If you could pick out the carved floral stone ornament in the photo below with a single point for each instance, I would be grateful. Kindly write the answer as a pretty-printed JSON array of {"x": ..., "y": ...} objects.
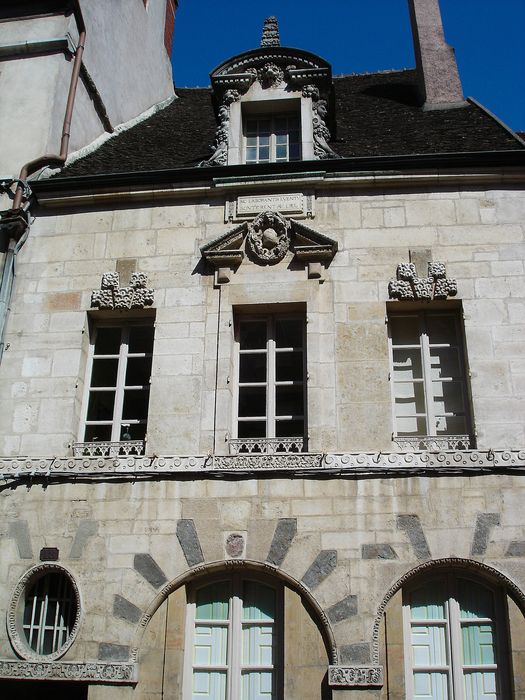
[
  {"x": 270, "y": 75},
  {"x": 269, "y": 237},
  {"x": 409, "y": 287},
  {"x": 355, "y": 676},
  {"x": 111, "y": 296}
]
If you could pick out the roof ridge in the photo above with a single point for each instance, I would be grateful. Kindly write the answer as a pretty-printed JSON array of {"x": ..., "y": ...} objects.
[{"x": 377, "y": 72}]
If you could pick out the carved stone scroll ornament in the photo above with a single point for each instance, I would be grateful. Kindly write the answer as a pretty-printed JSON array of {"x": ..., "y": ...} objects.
[
  {"x": 321, "y": 132},
  {"x": 112, "y": 296},
  {"x": 409, "y": 287},
  {"x": 69, "y": 671},
  {"x": 269, "y": 237},
  {"x": 355, "y": 676},
  {"x": 220, "y": 145}
]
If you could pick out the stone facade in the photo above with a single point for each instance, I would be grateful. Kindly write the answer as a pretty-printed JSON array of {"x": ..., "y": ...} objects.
[{"x": 342, "y": 527}]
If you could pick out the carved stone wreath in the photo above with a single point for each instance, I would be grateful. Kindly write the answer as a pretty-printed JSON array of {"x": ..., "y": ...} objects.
[
  {"x": 14, "y": 614},
  {"x": 269, "y": 237}
]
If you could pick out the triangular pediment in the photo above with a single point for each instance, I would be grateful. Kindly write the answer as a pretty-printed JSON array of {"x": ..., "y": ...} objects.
[{"x": 267, "y": 239}]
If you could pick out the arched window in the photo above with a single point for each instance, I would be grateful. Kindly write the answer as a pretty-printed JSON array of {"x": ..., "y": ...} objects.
[
  {"x": 455, "y": 640},
  {"x": 234, "y": 640}
]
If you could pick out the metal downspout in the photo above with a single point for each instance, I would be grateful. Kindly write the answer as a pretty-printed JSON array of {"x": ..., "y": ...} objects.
[{"x": 17, "y": 212}]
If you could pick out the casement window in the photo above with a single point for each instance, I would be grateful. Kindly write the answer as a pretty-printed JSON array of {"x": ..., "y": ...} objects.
[
  {"x": 272, "y": 139},
  {"x": 233, "y": 634},
  {"x": 454, "y": 641},
  {"x": 428, "y": 376},
  {"x": 271, "y": 387},
  {"x": 117, "y": 391}
]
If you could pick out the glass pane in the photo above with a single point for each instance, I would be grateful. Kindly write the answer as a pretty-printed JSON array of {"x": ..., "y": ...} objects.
[
  {"x": 294, "y": 151},
  {"x": 478, "y": 645},
  {"x": 135, "y": 404},
  {"x": 451, "y": 425},
  {"x": 411, "y": 425},
  {"x": 257, "y": 685},
  {"x": 138, "y": 371},
  {"x": 480, "y": 685},
  {"x": 448, "y": 397},
  {"x": 141, "y": 338},
  {"x": 281, "y": 153},
  {"x": 428, "y": 602},
  {"x": 251, "y": 154},
  {"x": 252, "y": 368},
  {"x": 289, "y": 333},
  {"x": 407, "y": 364},
  {"x": 441, "y": 329},
  {"x": 289, "y": 428},
  {"x": 409, "y": 398},
  {"x": 429, "y": 646},
  {"x": 264, "y": 153},
  {"x": 252, "y": 335},
  {"x": 97, "y": 432},
  {"x": 264, "y": 126},
  {"x": 445, "y": 363},
  {"x": 251, "y": 429},
  {"x": 281, "y": 139},
  {"x": 258, "y": 602},
  {"x": 135, "y": 431},
  {"x": 251, "y": 141},
  {"x": 289, "y": 401},
  {"x": 475, "y": 601},
  {"x": 289, "y": 366},
  {"x": 252, "y": 401},
  {"x": 281, "y": 124},
  {"x": 213, "y": 602},
  {"x": 100, "y": 406},
  {"x": 210, "y": 646},
  {"x": 104, "y": 372},
  {"x": 108, "y": 341},
  {"x": 251, "y": 126},
  {"x": 264, "y": 141},
  {"x": 431, "y": 686},
  {"x": 405, "y": 330},
  {"x": 209, "y": 685},
  {"x": 257, "y": 645}
]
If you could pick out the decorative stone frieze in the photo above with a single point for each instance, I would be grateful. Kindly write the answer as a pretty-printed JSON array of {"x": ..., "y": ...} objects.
[
  {"x": 111, "y": 296},
  {"x": 68, "y": 671},
  {"x": 355, "y": 676},
  {"x": 434, "y": 442},
  {"x": 108, "y": 449},
  {"x": 359, "y": 463},
  {"x": 409, "y": 287}
]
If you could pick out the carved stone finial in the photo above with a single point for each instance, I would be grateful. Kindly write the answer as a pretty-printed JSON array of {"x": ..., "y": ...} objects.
[
  {"x": 270, "y": 33},
  {"x": 112, "y": 296},
  {"x": 409, "y": 287}
]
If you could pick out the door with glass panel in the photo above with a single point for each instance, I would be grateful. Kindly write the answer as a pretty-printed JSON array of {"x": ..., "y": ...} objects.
[
  {"x": 233, "y": 635},
  {"x": 453, "y": 646}
]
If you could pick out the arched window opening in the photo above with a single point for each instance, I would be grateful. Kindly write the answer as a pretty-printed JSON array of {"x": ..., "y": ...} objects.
[{"x": 455, "y": 640}]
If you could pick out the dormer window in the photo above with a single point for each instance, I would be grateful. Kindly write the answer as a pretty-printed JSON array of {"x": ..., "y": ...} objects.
[{"x": 272, "y": 139}]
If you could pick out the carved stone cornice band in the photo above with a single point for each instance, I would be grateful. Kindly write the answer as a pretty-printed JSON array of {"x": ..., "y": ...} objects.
[
  {"x": 389, "y": 464},
  {"x": 355, "y": 676},
  {"x": 95, "y": 671}
]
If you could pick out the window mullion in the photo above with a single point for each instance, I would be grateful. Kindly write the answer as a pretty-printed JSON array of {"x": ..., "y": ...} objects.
[
  {"x": 271, "y": 388},
  {"x": 427, "y": 377},
  {"x": 121, "y": 379}
]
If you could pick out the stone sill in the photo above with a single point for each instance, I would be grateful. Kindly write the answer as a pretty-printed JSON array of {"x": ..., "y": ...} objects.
[{"x": 308, "y": 464}]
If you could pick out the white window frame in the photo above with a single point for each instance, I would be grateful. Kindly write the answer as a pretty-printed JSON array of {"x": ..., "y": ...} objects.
[
  {"x": 117, "y": 422},
  {"x": 234, "y": 666},
  {"x": 453, "y": 625},
  {"x": 270, "y": 418},
  {"x": 272, "y": 118},
  {"x": 426, "y": 381}
]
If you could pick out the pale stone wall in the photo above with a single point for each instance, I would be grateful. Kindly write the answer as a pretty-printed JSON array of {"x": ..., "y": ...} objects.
[{"x": 478, "y": 234}]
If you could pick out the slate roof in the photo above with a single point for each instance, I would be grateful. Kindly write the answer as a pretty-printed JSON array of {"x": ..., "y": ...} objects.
[{"x": 375, "y": 115}]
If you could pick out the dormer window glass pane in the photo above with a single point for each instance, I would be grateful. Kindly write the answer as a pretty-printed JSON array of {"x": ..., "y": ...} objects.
[{"x": 271, "y": 140}]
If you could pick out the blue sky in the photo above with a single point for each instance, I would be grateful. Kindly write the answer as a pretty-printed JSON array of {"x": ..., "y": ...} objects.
[{"x": 358, "y": 36}]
